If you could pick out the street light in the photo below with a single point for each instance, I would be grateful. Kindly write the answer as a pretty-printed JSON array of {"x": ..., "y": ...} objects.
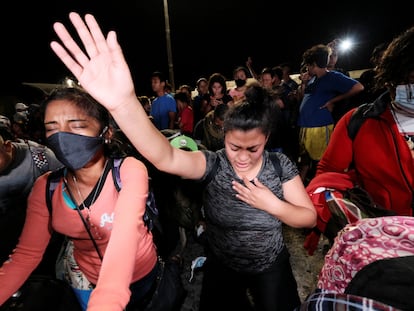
[{"x": 169, "y": 51}]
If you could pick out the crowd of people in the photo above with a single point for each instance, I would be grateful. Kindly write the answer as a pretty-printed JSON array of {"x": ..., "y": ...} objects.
[{"x": 239, "y": 129}]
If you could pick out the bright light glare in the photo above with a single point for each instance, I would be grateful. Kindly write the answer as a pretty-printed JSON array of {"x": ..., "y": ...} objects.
[{"x": 345, "y": 45}]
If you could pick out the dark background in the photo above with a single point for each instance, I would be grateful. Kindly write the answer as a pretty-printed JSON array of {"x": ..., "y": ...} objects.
[{"x": 206, "y": 36}]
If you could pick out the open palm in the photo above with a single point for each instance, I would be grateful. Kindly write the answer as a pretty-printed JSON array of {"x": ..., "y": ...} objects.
[{"x": 100, "y": 68}]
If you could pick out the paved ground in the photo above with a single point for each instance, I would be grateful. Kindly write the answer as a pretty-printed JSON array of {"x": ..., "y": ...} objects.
[{"x": 305, "y": 267}]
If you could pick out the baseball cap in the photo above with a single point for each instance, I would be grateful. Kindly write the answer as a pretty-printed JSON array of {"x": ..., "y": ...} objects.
[
  {"x": 5, "y": 122},
  {"x": 20, "y": 107},
  {"x": 20, "y": 117},
  {"x": 184, "y": 142}
]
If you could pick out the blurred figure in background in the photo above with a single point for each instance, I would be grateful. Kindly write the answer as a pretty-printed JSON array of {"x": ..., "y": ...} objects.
[
  {"x": 202, "y": 89},
  {"x": 382, "y": 152},
  {"x": 164, "y": 107},
  {"x": 185, "y": 121},
  {"x": 209, "y": 130},
  {"x": 322, "y": 90}
]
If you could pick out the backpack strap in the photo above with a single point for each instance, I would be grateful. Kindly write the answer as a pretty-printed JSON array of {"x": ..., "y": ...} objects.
[
  {"x": 51, "y": 184},
  {"x": 368, "y": 110},
  {"x": 116, "y": 172},
  {"x": 276, "y": 163},
  {"x": 151, "y": 211}
]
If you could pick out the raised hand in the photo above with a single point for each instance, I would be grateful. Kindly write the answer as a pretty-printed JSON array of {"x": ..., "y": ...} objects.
[{"x": 100, "y": 67}]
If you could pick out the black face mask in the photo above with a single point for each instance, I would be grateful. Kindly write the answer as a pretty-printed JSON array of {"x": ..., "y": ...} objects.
[
  {"x": 240, "y": 82},
  {"x": 74, "y": 150}
]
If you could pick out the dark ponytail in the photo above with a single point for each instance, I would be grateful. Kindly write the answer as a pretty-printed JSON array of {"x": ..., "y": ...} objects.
[{"x": 258, "y": 110}]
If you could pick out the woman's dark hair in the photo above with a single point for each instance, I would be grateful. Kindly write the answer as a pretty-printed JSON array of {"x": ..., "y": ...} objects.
[
  {"x": 397, "y": 61},
  {"x": 219, "y": 78},
  {"x": 241, "y": 68},
  {"x": 258, "y": 110},
  {"x": 317, "y": 54},
  {"x": 81, "y": 99}
]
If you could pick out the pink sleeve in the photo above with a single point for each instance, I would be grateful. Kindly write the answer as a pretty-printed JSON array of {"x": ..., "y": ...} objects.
[
  {"x": 32, "y": 243},
  {"x": 130, "y": 253}
]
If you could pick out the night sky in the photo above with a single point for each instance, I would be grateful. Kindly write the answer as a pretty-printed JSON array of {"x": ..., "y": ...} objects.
[{"x": 206, "y": 36}]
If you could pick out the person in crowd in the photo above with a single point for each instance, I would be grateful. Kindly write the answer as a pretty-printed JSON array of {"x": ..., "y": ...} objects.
[
  {"x": 120, "y": 271},
  {"x": 169, "y": 88},
  {"x": 185, "y": 113},
  {"x": 321, "y": 89},
  {"x": 334, "y": 45},
  {"x": 5, "y": 128},
  {"x": 209, "y": 131},
  {"x": 21, "y": 107},
  {"x": 35, "y": 126},
  {"x": 249, "y": 66},
  {"x": 287, "y": 80},
  {"x": 340, "y": 107},
  {"x": 19, "y": 125},
  {"x": 163, "y": 107},
  {"x": 381, "y": 154},
  {"x": 217, "y": 93},
  {"x": 244, "y": 204},
  {"x": 187, "y": 89},
  {"x": 267, "y": 81},
  {"x": 240, "y": 75},
  {"x": 367, "y": 78},
  {"x": 146, "y": 104},
  {"x": 202, "y": 89},
  {"x": 290, "y": 111},
  {"x": 21, "y": 163}
]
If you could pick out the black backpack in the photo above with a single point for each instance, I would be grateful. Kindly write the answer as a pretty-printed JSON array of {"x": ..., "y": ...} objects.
[
  {"x": 387, "y": 280},
  {"x": 365, "y": 111}
]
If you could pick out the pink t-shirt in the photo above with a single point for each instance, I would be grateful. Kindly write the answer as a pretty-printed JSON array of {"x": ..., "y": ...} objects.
[{"x": 118, "y": 228}]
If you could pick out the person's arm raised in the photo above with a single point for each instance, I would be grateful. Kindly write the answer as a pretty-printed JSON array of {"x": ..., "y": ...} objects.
[{"x": 102, "y": 71}]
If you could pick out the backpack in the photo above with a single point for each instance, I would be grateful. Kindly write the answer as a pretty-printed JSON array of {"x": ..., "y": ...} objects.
[
  {"x": 338, "y": 201},
  {"x": 151, "y": 211},
  {"x": 373, "y": 258},
  {"x": 365, "y": 111}
]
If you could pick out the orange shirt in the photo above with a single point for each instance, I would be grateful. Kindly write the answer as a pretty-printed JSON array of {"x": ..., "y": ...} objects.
[{"x": 118, "y": 228}]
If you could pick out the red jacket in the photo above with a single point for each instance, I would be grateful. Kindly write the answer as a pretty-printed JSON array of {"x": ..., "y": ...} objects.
[{"x": 381, "y": 157}]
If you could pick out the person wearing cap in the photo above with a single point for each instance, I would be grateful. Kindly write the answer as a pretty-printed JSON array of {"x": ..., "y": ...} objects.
[
  {"x": 245, "y": 200},
  {"x": 21, "y": 107},
  {"x": 184, "y": 142},
  {"x": 20, "y": 125},
  {"x": 5, "y": 128}
]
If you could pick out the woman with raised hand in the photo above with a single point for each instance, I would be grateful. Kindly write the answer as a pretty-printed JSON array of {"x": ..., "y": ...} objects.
[
  {"x": 110, "y": 252},
  {"x": 245, "y": 202}
]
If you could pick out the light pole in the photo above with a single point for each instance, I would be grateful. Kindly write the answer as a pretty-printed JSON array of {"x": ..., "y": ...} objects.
[{"x": 168, "y": 39}]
